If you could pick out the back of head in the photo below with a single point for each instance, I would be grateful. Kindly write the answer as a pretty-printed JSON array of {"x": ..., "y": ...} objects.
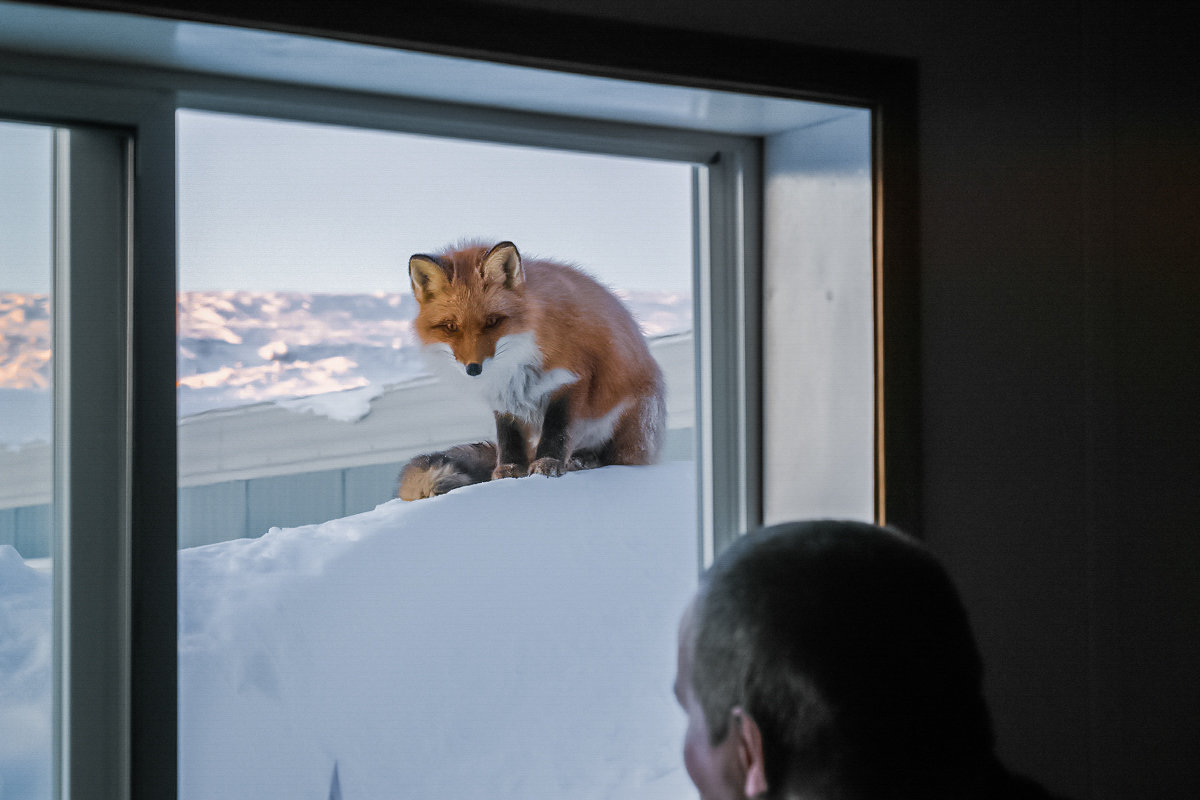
[{"x": 849, "y": 646}]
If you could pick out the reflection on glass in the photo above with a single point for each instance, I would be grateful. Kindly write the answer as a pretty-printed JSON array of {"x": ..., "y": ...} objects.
[
  {"x": 26, "y": 410},
  {"x": 415, "y": 649}
]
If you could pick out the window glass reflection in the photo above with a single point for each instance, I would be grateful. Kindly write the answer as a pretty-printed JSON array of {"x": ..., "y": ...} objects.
[{"x": 26, "y": 411}]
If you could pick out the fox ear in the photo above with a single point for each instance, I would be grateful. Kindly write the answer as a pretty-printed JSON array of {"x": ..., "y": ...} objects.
[
  {"x": 427, "y": 276},
  {"x": 502, "y": 265}
]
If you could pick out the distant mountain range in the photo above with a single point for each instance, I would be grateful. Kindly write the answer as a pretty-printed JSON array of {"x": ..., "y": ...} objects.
[
  {"x": 237, "y": 348},
  {"x": 24, "y": 341}
]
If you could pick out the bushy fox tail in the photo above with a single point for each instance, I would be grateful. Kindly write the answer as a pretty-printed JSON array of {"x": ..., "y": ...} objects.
[{"x": 437, "y": 473}]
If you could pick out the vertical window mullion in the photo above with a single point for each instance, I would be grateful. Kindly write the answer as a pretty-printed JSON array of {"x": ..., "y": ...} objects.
[
  {"x": 153, "y": 465},
  {"x": 91, "y": 497},
  {"x": 728, "y": 314}
]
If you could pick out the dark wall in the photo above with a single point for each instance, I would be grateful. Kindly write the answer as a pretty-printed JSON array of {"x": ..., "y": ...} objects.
[
  {"x": 1060, "y": 216},
  {"x": 1060, "y": 352},
  {"x": 1060, "y": 349}
]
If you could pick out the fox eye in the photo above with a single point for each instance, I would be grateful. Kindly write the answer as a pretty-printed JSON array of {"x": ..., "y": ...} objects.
[
  {"x": 493, "y": 321},
  {"x": 449, "y": 325}
]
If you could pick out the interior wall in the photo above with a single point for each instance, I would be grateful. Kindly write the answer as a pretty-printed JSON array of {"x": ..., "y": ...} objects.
[
  {"x": 1060, "y": 354},
  {"x": 1060, "y": 313}
]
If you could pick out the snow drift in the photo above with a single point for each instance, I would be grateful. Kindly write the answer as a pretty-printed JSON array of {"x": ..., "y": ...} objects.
[{"x": 513, "y": 639}]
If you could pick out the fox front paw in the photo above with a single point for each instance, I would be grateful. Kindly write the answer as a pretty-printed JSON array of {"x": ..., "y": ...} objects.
[
  {"x": 583, "y": 459},
  {"x": 509, "y": 471},
  {"x": 548, "y": 466}
]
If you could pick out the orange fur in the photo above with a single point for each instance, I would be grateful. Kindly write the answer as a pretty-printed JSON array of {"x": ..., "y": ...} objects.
[{"x": 473, "y": 298}]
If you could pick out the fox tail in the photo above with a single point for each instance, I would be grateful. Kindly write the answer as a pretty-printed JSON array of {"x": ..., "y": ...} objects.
[{"x": 432, "y": 474}]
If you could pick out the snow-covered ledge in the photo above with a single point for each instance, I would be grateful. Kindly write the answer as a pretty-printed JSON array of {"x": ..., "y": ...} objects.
[{"x": 513, "y": 639}]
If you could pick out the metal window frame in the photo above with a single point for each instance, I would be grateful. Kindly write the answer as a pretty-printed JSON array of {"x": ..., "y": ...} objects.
[
  {"x": 114, "y": 490},
  {"x": 727, "y": 188},
  {"x": 91, "y": 195},
  {"x": 116, "y": 594}
]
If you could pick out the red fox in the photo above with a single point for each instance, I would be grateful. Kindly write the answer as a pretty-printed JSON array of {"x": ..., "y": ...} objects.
[{"x": 557, "y": 356}]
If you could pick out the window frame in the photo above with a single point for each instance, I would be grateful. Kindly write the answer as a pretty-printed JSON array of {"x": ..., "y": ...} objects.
[
  {"x": 143, "y": 101},
  {"x": 728, "y": 184},
  {"x": 92, "y": 174}
]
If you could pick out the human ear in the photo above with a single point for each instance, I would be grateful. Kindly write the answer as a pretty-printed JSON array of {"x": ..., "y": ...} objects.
[{"x": 750, "y": 753}]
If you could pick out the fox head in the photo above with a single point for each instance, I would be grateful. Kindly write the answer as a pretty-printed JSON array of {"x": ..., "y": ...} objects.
[{"x": 469, "y": 298}]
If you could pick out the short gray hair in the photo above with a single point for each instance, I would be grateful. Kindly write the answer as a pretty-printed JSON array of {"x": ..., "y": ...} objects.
[{"x": 849, "y": 646}]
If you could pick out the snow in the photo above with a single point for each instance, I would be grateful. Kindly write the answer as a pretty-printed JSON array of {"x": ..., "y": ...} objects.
[
  {"x": 347, "y": 405},
  {"x": 237, "y": 348},
  {"x": 513, "y": 639},
  {"x": 25, "y": 733}
]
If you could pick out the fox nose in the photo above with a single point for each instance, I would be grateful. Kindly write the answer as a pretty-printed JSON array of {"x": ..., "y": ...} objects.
[{"x": 474, "y": 369}]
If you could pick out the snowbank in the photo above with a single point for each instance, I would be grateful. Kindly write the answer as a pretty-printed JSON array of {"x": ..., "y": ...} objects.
[
  {"x": 509, "y": 640},
  {"x": 25, "y": 734}
]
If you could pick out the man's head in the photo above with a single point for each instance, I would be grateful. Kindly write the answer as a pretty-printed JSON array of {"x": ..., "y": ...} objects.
[{"x": 829, "y": 659}]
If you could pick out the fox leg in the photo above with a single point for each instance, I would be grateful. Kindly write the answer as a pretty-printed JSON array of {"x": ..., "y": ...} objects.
[
  {"x": 512, "y": 455},
  {"x": 553, "y": 445},
  {"x": 638, "y": 434}
]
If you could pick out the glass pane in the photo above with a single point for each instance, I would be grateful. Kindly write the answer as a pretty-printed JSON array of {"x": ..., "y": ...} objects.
[
  {"x": 26, "y": 412},
  {"x": 509, "y": 639}
]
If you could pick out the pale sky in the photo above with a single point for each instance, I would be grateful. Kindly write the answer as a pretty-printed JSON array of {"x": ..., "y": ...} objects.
[
  {"x": 25, "y": 239},
  {"x": 278, "y": 205}
]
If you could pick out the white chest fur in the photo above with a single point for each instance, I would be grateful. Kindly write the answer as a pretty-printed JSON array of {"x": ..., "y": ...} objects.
[{"x": 512, "y": 380}]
